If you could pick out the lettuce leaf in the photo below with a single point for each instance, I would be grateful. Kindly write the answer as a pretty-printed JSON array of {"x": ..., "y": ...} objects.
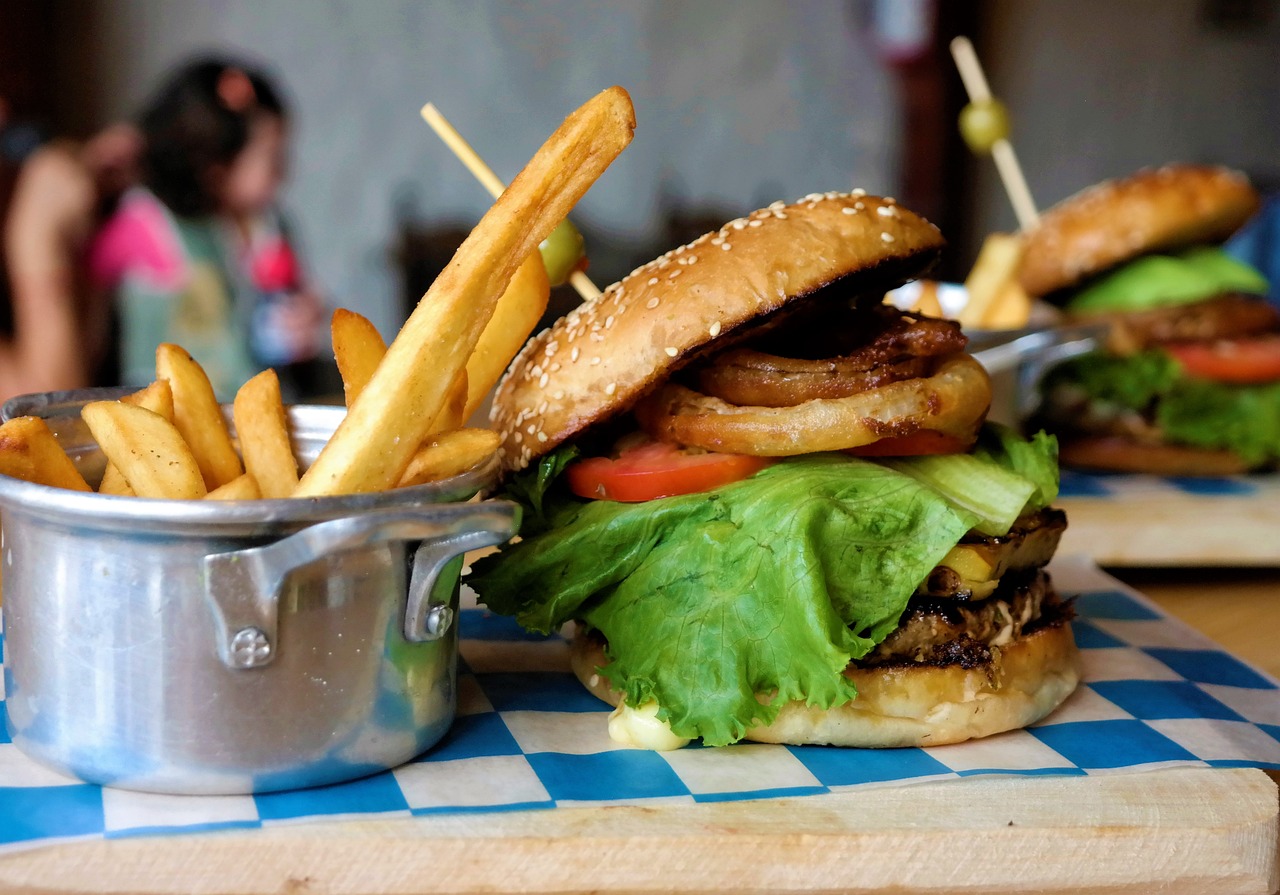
[
  {"x": 1197, "y": 412},
  {"x": 769, "y": 585}
]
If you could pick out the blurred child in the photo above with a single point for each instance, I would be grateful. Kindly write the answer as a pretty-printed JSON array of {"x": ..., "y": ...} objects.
[{"x": 198, "y": 254}]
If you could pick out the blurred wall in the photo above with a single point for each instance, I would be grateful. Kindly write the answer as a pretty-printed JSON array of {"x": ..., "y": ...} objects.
[
  {"x": 1100, "y": 88},
  {"x": 739, "y": 102}
]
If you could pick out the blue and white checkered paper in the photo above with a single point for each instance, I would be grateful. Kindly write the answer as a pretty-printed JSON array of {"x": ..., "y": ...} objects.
[
  {"x": 1123, "y": 487},
  {"x": 528, "y": 736}
]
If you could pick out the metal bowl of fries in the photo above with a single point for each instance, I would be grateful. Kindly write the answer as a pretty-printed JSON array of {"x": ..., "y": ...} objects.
[{"x": 231, "y": 646}]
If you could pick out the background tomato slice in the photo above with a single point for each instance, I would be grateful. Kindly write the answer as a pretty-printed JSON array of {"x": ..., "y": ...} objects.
[
  {"x": 1252, "y": 360},
  {"x": 658, "y": 470},
  {"x": 926, "y": 441}
]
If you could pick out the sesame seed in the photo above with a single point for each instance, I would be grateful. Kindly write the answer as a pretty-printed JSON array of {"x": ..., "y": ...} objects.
[
  {"x": 858, "y": 192},
  {"x": 738, "y": 224},
  {"x": 726, "y": 246},
  {"x": 848, "y": 210},
  {"x": 611, "y": 388},
  {"x": 887, "y": 211},
  {"x": 518, "y": 437},
  {"x": 674, "y": 273},
  {"x": 755, "y": 223},
  {"x": 555, "y": 367},
  {"x": 671, "y": 352},
  {"x": 653, "y": 302},
  {"x": 558, "y": 394},
  {"x": 653, "y": 281},
  {"x": 542, "y": 381},
  {"x": 573, "y": 355},
  {"x": 886, "y": 237},
  {"x": 595, "y": 360},
  {"x": 715, "y": 329},
  {"x": 533, "y": 427},
  {"x": 608, "y": 321},
  {"x": 542, "y": 436}
]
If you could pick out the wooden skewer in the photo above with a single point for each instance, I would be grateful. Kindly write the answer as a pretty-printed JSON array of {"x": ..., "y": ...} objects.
[
  {"x": 490, "y": 181},
  {"x": 1015, "y": 184}
]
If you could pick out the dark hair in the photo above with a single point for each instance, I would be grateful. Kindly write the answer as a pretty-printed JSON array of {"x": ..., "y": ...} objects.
[{"x": 198, "y": 120}]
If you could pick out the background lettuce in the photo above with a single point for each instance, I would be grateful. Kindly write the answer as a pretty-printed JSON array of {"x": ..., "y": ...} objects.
[{"x": 1197, "y": 412}]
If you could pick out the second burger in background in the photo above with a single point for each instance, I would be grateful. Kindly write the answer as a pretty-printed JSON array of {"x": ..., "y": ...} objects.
[
  {"x": 770, "y": 502},
  {"x": 1188, "y": 382}
]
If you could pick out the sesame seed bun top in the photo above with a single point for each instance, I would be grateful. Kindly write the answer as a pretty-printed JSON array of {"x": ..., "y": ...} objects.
[
  {"x": 602, "y": 357},
  {"x": 1154, "y": 210}
]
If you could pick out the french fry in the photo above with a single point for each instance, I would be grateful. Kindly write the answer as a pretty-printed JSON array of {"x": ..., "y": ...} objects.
[
  {"x": 242, "y": 488},
  {"x": 372, "y": 447},
  {"x": 1011, "y": 308},
  {"x": 197, "y": 415},
  {"x": 449, "y": 454},
  {"x": 31, "y": 452},
  {"x": 147, "y": 448},
  {"x": 997, "y": 265},
  {"x": 357, "y": 348},
  {"x": 454, "y": 413},
  {"x": 517, "y": 313},
  {"x": 156, "y": 397},
  {"x": 263, "y": 431}
]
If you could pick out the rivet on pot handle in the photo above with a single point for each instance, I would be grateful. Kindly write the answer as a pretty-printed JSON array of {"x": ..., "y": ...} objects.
[{"x": 243, "y": 585}]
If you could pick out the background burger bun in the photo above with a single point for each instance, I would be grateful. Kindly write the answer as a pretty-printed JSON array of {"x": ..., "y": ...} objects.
[
  {"x": 1154, "y": 210},
  {"x": 909, "y": 705},
  {"x": 1111, "y": 453},
  {"x": 599, "y": 359}
]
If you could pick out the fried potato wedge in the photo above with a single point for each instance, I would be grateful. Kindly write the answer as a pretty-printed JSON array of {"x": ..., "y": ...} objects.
[
  {"x": 514, "y": 319},
  {"x": 156, "y": 397},
  {"x": 372, "y": 447},
  {"x": 357, "y": 349},
  {"x": 263, "y": 431},
  {"x": 197, "y": 415},
  {"x": 148, "y": 450},
  {"x": 30, "y": 451},
  {"x": 454, "y": 413},
  {"x": 242, "y": 488},
  {"x": 449, "y": 454},
  {"x": 996, "y": 266}
]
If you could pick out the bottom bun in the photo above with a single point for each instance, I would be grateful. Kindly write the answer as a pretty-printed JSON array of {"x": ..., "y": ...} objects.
[
  {"x": 1112, "y": 453},
  {"x": 909, "y": 705}
]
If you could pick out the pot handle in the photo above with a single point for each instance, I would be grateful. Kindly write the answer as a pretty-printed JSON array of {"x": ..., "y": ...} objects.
[{"x": 242, "y": 586}]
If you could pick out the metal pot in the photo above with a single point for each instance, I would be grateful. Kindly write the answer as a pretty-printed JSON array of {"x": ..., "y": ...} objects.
[{"x": 231, "y": 647}]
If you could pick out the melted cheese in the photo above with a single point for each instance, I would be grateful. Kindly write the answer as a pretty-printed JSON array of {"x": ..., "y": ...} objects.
[{"x": 641, "y": 728}]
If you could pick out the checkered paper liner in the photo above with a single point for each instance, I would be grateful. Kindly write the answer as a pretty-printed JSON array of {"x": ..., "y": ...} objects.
[
  {"x": 528, "y": 736},
  {"x": 1124, "y": 487}
]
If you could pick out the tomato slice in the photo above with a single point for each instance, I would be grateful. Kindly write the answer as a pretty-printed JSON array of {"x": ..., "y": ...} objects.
[
  {"x": 926, "y": 441},
  {"x": 658, "y": 470},
  {"x": 1248, "y": 360}
]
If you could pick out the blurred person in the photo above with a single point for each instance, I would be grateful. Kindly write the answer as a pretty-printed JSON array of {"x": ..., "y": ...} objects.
[
  {"x": 198, "y": 254},
  {"x": 57, "y": 334}
]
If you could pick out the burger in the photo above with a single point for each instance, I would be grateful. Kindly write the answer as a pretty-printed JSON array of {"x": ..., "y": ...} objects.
[
  {"x": 769, "y": 504},
  {"x": 1188, "y": 380}
]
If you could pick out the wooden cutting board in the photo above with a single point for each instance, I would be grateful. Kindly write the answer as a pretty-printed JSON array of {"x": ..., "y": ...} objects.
[
  {"x": 1191, "y": 831},
  {"x": 1165, "y": 527}
]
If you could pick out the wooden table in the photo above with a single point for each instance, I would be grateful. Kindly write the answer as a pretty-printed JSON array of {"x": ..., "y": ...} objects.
[
  {"x": 1186, "y": 831},
  {"x": 1237, "y": 608}
]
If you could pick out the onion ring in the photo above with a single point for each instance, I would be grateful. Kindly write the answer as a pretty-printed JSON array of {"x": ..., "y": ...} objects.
[
  {"x": 954, "y": 400},
  {"x": 748, "y": 377}
]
